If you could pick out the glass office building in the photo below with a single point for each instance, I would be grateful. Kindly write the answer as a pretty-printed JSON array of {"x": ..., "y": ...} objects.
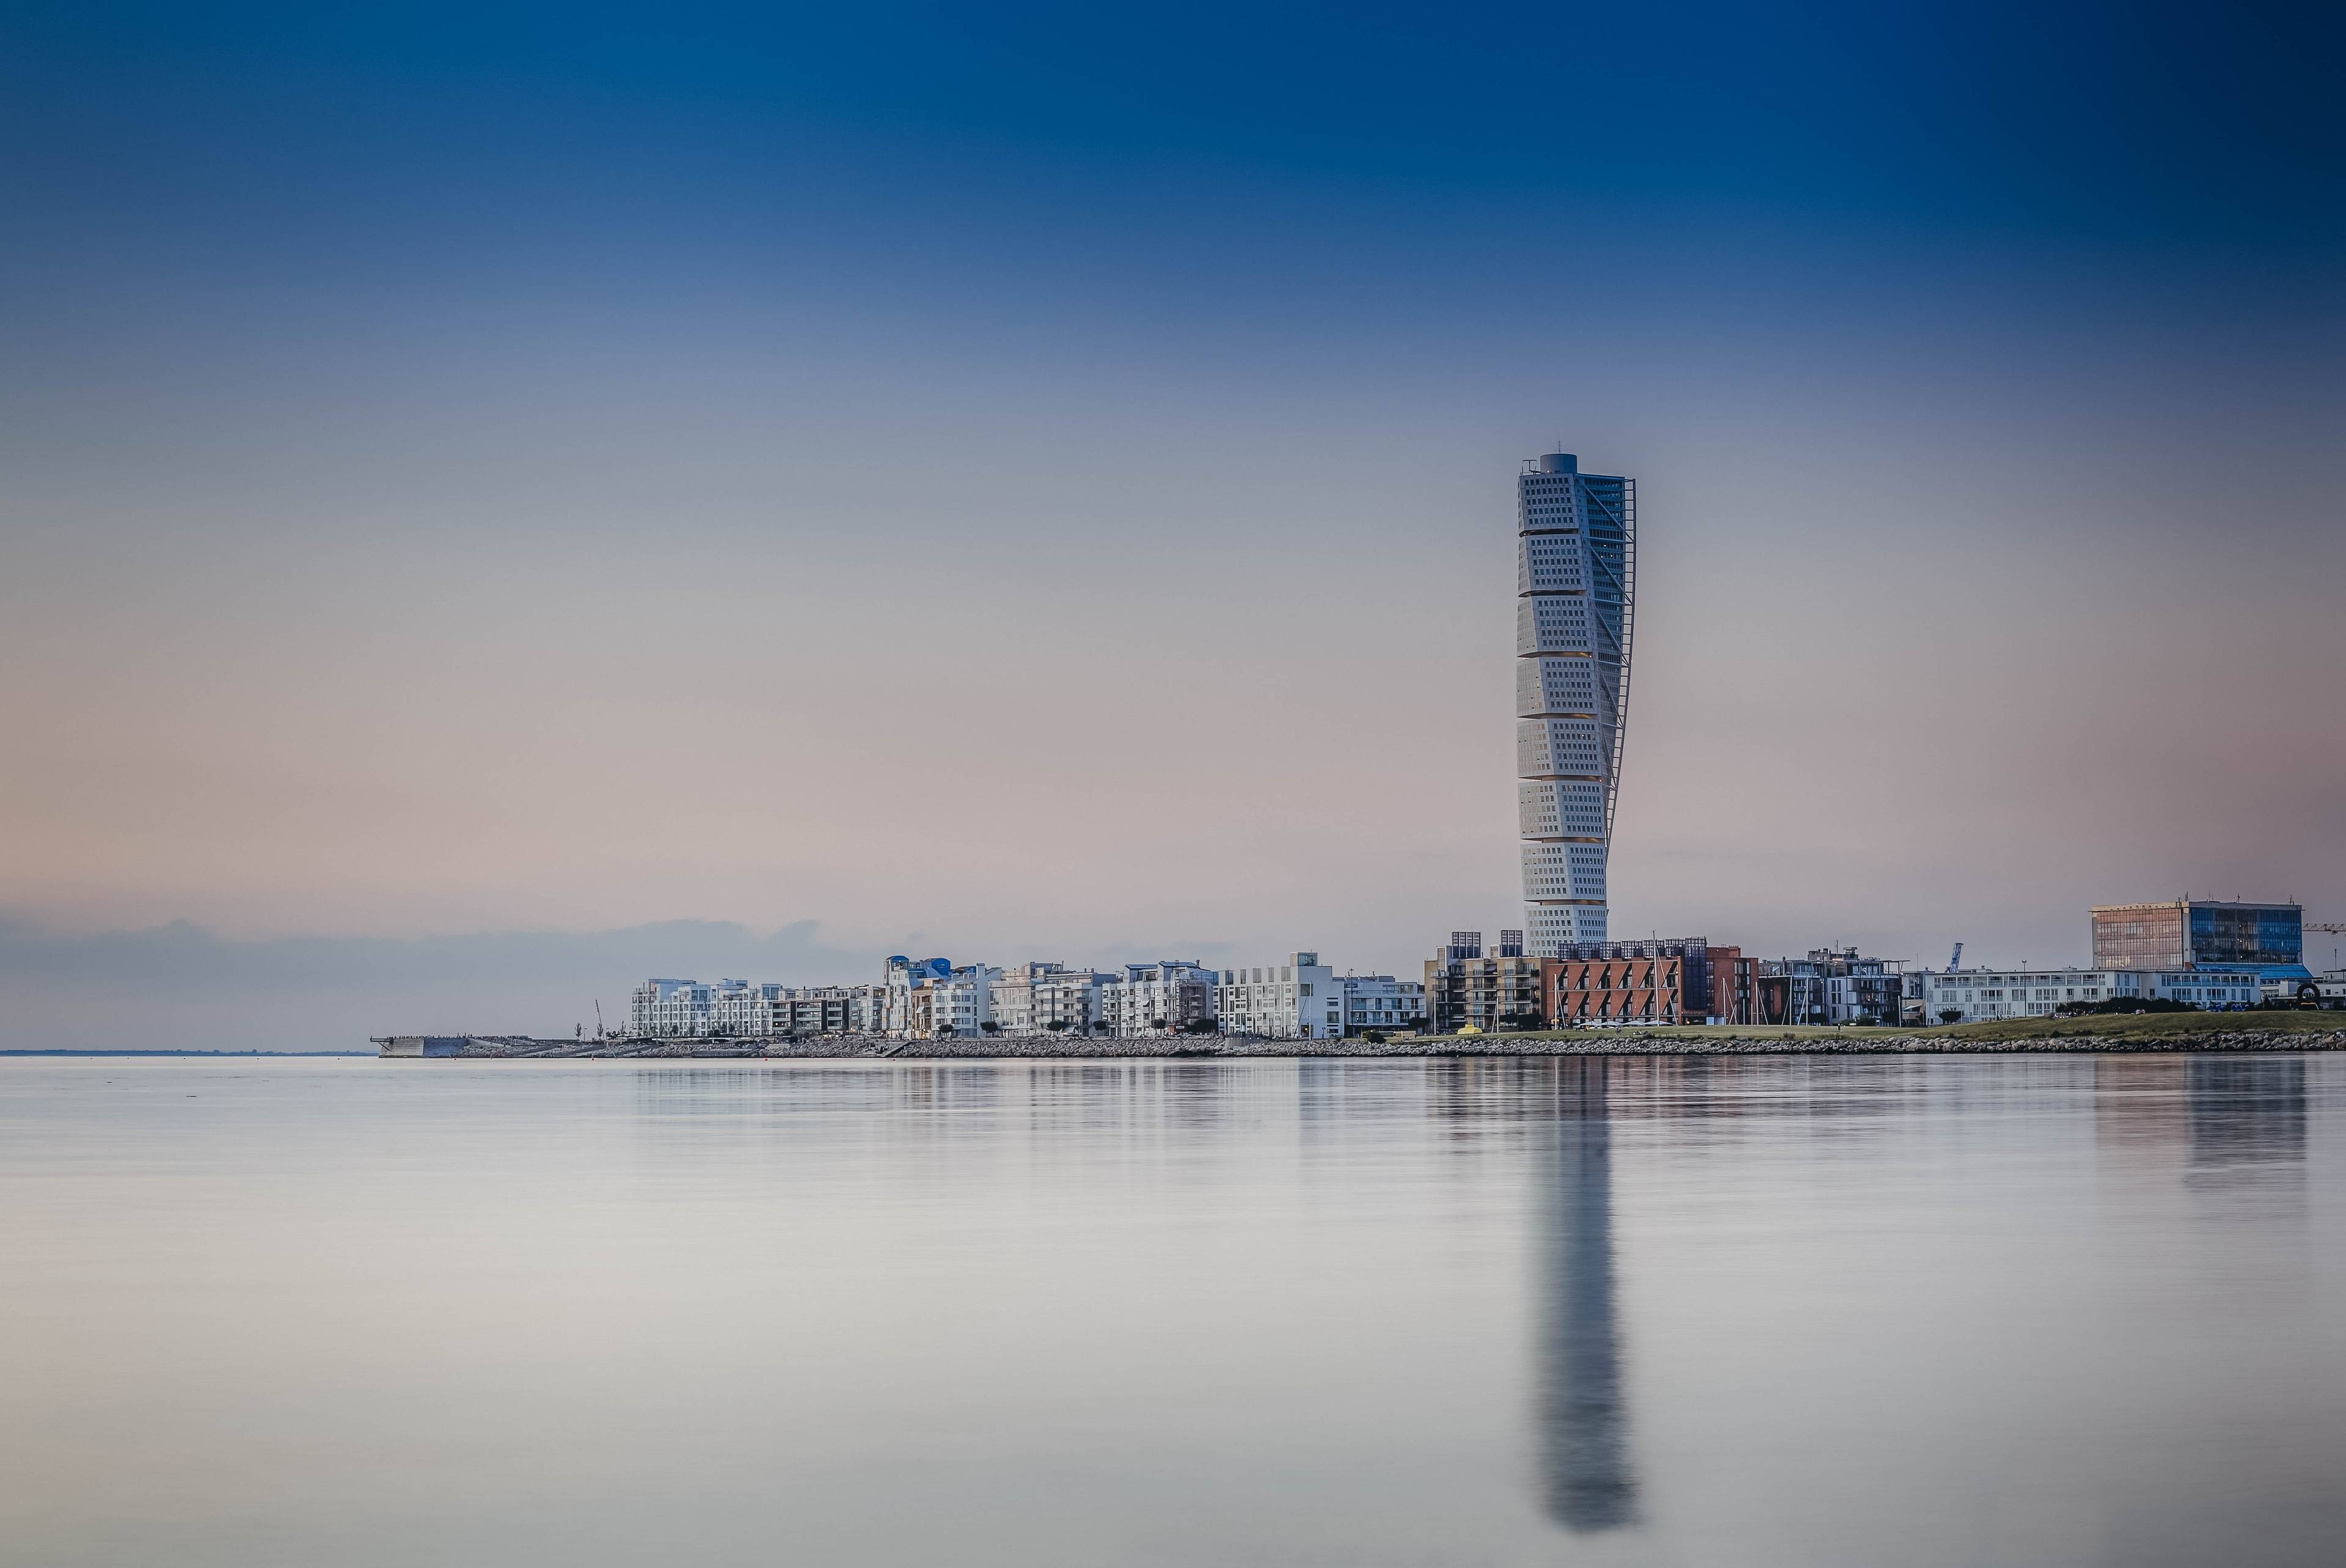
[
  {"x": 2199, "y": 933},
  {"x": 1576, "y": 582}
]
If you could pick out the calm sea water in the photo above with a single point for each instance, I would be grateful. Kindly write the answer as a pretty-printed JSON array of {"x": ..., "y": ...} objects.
[{"x": 1760, "y": 1311}]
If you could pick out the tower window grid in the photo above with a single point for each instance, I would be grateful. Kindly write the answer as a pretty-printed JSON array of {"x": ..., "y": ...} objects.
[{"x": 1578, "y": 566}]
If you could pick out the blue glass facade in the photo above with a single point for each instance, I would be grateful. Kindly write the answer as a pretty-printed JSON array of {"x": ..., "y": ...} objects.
[{"x": 2199, "y": 933}]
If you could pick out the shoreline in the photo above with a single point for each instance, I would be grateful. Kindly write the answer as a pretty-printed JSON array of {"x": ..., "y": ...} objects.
[{"x": 1726, "y": 1042}]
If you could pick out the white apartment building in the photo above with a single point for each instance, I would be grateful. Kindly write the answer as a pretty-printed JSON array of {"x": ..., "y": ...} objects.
[
  {"x": 681, "y": 1007},
  {"x": 1070, "y": 1001},
  {"x": 1160, "y": 998},
  {"x": 961, "y": 1001},
  {"x": 1041, "y": 998},
  {"x": 1302, "y": 999},
  {"x": 1014, "y": 997},
  {"x": 1979, "y": 993},
  {"x": 903, "y": 983},
  {"x": 689, "y": 1008},
  {"x": 741, "y": 1009},
  {"x": 924, "y": 997},
  {"x": 1380, "y": 1002}
]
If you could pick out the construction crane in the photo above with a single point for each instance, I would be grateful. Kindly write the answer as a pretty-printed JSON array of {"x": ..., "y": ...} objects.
[{"x": 1956, "y": 962}]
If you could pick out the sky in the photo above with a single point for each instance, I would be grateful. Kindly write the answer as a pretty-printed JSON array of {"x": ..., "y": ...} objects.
[{"x": 498, "y": 501}]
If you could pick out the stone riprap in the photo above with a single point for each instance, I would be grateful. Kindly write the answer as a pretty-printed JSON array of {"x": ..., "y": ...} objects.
[{"x": 1594, "y": 1043}]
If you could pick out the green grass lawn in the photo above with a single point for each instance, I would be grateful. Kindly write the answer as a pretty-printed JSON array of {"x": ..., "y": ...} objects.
[{"x": 2156, "y": 1025}]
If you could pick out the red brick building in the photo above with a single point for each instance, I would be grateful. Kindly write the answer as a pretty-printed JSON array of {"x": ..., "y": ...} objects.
[{"x": 1669, "y": 981}]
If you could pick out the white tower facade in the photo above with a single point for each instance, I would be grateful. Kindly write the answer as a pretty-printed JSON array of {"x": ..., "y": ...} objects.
[{"x": 1576, "y": 591}]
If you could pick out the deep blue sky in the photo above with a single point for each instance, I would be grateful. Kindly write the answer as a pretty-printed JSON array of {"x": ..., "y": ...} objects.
[
  {"x": 2202, "y": 129},
  {"x": 968, "y": 410}
]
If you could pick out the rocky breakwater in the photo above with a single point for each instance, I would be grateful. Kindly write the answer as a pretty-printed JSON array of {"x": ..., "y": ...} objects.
[
  {"x": 1723, "y": 1041},
  {"x": 1596, "y": 1043}
]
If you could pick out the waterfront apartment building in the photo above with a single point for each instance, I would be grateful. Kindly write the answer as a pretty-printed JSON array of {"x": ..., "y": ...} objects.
[
  {"x": 1681, "y": 980},
  {"x": 961, "y": 1001},
  {"x": 675, "y": 1007},
  {"x": 691, "y": 1008},
  {"x": 1831, "y": 985},
  {"x": 1507, "y": 989},
  {"x": 1299, "y": 1000},
  {"x": 1049, "y": 999},
  {"x": 1973, "y": 994},
  {"x": 1734, "y": 986},
  {"x": 1161, "y": 998},
  {"x": 904, "y": 993},
  {"x": 2186, "y": 931},
  {"x": 1382, "y": 1002},
  {"x": 1014, "y": 997},
  {"x": 1576, "y": 579},
  {"x": 824, "y": 1009},
  {"x": 1069, "y": 1001},
  {"x": 925, "y": 997},
  {"x": 767, "y": 1010},
  {"x": 742, "y": 1010}
]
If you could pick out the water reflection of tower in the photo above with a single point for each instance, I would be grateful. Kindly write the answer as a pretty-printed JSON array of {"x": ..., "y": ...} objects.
[{"x": 1586, "y": 1480}]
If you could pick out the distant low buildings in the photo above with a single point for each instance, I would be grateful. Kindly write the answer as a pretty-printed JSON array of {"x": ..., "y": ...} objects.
[
  {"x": 922, "y": 998},
  {"x": 1971, "y": 995},
  {"x": 1669, "y": 981}
]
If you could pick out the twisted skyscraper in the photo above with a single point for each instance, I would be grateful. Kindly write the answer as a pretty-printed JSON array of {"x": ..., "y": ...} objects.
[{"x": 1576, "y": 585}]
